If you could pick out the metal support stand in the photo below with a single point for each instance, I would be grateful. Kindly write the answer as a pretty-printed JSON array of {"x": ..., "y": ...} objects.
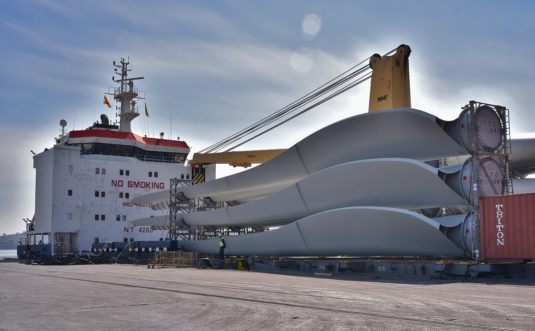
[
  {"x": 491, "y": 170},
  {"x": 178, "y": 205}
]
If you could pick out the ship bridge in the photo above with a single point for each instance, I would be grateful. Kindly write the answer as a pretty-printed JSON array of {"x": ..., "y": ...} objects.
[{"x": 119, "y": 143}]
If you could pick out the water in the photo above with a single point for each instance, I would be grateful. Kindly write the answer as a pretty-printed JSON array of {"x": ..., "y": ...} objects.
[{"x": 8, "y": 253}]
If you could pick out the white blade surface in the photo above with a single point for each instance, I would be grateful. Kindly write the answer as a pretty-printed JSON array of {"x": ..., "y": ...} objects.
[
  {"x": 401, "y": 183},
  {"x": 355, "y": 231},
  {"x": 151, "y": 221},
  {"x": 523, "y": 185},
  {"x": 407, "y": 133},
  {"x": 523, "y": 156}
]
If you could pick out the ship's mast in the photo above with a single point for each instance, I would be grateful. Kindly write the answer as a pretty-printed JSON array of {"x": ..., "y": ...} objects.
[{"x": 126, "y": 94}]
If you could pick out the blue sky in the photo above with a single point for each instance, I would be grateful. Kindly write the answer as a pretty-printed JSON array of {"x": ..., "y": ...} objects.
[{"x": 213, "y": 67}]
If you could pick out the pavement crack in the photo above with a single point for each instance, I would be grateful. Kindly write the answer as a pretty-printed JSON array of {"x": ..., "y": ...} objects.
[{"x": 122, "y": 306}]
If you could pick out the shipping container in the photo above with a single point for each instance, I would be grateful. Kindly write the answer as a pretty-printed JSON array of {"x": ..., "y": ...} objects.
[{"x": 507, "y": 227}]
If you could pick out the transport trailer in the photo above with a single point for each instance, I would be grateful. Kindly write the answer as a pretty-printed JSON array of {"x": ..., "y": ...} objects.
[
  {"x": 407, "y": 268},
  {"x": 506, "y": 248}
]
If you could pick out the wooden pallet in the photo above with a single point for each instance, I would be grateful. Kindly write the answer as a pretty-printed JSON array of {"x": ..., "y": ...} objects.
[{"x": 174, "y": 259}]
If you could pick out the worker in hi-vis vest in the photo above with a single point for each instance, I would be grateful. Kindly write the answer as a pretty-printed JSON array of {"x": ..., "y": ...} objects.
[{"x": 222, "y": 246}]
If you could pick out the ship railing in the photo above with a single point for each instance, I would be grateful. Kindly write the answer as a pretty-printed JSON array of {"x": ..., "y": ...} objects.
[
  {"x": 164, "y": 159},
  {"x": 124, "y": 88}
]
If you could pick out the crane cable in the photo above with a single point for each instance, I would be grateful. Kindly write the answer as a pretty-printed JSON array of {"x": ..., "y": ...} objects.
[
  {"x": 287, "y": 110},
  {"x": 278, "y": 114},
  {"x": 354, "y": 75},
  {"x": 361, "y": 80}
]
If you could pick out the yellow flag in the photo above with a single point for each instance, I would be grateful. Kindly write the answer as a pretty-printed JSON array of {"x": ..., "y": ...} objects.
[
  {"x": 146, "y": 110},
  {"x": 106, "y": 102}
]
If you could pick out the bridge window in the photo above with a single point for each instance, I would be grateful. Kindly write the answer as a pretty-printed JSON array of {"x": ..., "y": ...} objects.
[{"x": 132, "y": 151}]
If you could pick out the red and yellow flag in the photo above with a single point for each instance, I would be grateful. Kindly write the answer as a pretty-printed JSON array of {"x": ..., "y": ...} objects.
[{"x": 106, "y": 102}]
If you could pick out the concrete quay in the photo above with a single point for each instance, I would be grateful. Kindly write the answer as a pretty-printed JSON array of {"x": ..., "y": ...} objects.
[{"x": 129, "y": 297}]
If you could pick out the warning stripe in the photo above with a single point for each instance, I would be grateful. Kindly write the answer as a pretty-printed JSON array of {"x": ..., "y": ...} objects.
[{"x": 198, "y": 178}]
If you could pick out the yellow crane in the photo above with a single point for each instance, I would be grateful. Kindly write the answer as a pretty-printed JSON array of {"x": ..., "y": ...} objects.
[
  {"x": 390, "y": 88},
  {"x": 236, "y": 159},
  {"x": 390, "y": 85}
]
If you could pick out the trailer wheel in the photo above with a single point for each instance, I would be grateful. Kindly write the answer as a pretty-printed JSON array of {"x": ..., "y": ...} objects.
[{"x": 473, "y": 270}]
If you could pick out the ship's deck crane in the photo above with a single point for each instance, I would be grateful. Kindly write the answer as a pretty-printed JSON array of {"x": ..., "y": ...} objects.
[
  {"x": 236, "y": 159},
  {"x": 390, "y": 88}
]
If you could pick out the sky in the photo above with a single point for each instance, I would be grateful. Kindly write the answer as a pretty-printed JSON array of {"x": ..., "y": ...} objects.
[{"x": 213, "y": 67}]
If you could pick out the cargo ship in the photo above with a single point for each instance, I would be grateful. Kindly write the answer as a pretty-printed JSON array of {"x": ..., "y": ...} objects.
[{"x": 85, "y": 182}]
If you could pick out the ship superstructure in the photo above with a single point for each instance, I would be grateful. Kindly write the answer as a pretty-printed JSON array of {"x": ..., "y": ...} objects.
[{"x": 85, "y": 182}]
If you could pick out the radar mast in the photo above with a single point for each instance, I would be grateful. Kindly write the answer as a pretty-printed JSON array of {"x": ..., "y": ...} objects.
[{"x": 126, "y": 94}]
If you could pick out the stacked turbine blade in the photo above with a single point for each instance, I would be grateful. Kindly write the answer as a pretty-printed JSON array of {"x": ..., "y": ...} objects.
[{"x": 352, "y": 188}]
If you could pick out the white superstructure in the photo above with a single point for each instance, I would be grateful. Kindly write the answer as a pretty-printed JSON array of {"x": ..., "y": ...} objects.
[{"x": 85, "y": 182}]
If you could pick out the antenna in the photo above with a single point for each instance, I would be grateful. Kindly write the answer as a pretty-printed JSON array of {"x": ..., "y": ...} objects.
[
  {"x": 126, "y": 93},
  {"x": 170, "y": 125}
]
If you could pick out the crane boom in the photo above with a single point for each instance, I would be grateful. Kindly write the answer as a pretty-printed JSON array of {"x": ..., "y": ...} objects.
[{"x": 236, "y": 159}]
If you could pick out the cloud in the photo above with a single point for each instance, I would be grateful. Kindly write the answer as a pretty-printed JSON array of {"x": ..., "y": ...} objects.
[{"x": 302, "y": 61}]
